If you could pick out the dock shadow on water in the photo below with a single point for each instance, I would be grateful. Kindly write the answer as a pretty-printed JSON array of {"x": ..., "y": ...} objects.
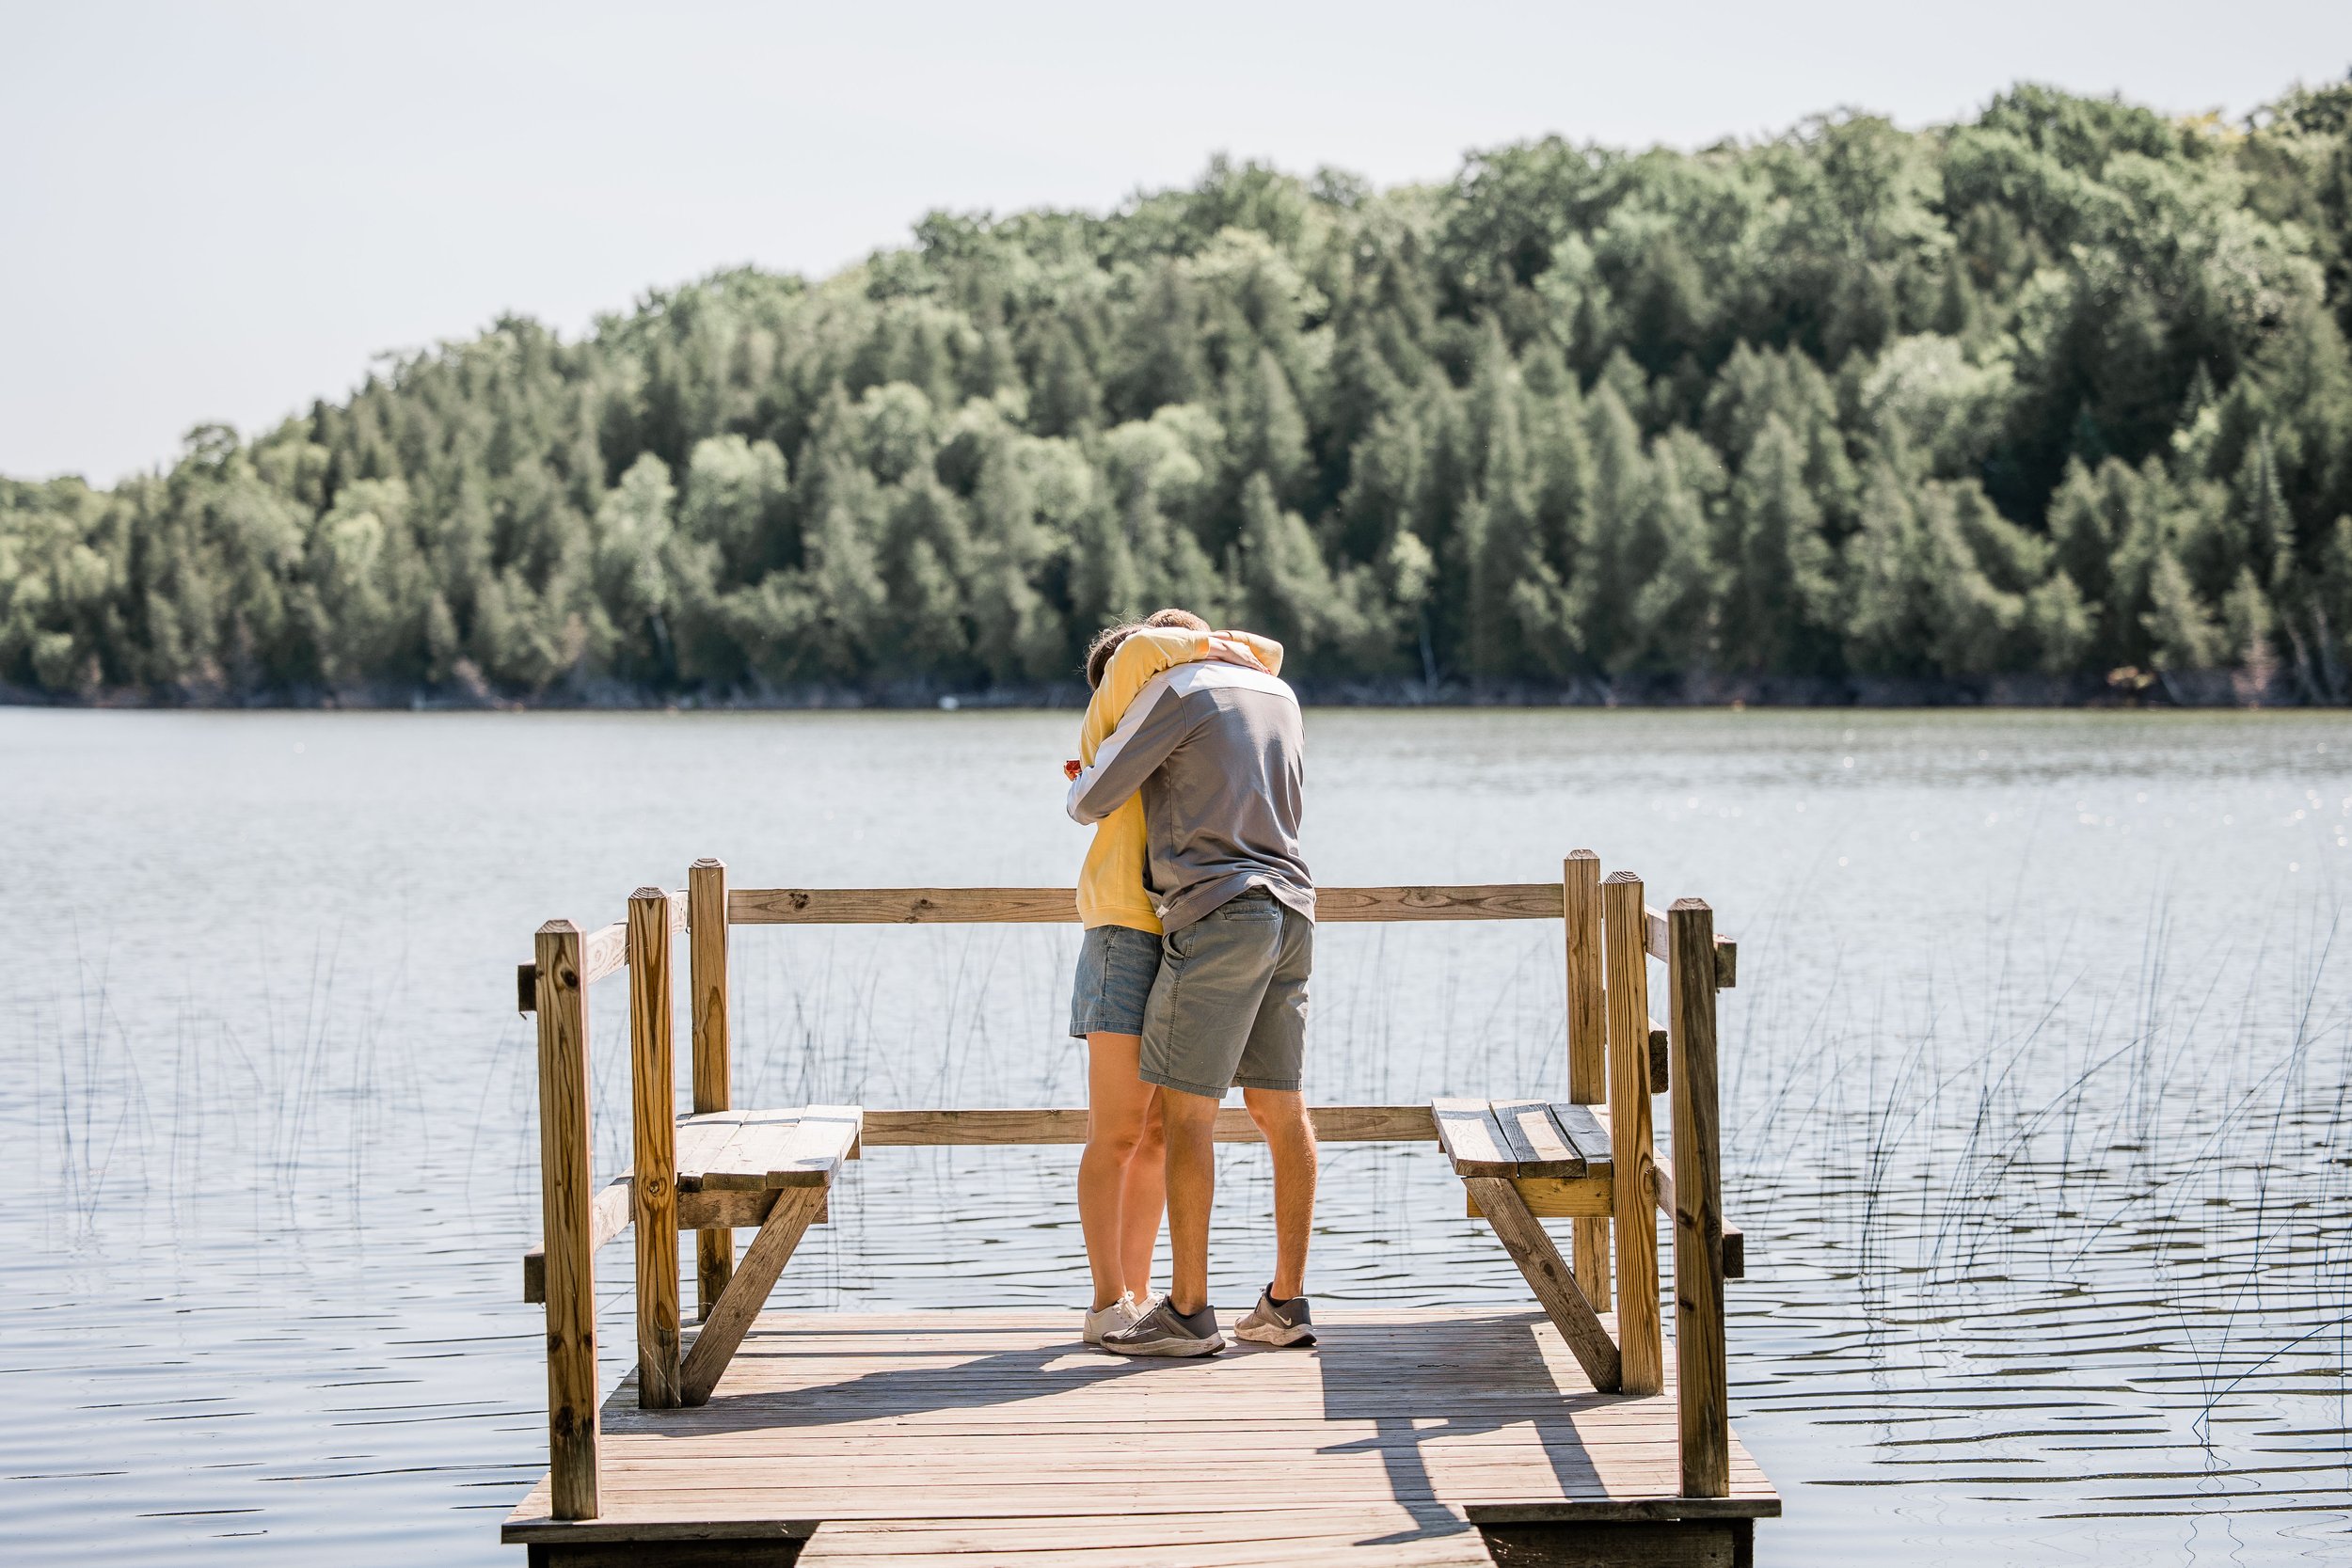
[{"x": 2035, "y": 1091}]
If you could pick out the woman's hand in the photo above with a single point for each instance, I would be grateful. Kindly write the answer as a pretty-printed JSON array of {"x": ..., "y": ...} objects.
[{"x": 1072, "y": 769}]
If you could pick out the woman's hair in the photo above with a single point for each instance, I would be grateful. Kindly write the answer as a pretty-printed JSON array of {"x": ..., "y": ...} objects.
[{"x": 1106, "y": 642}]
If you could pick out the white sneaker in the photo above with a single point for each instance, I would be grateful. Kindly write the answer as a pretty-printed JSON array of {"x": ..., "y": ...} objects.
[{"x": 1120, "y": 1314}]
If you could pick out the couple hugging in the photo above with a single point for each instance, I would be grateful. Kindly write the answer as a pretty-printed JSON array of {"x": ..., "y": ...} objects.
[{"x": 1199, "y": 933}]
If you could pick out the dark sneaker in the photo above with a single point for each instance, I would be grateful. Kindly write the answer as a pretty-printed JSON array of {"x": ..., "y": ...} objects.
[
  {"x": 1279, "y": 1323},
  {"x": 1164, "y": 1331}
]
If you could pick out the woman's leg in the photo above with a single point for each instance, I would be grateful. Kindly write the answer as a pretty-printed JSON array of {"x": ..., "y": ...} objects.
[
  {"x": 1145, "y": 1201},
  {"x": 1116, "y": 1101}
]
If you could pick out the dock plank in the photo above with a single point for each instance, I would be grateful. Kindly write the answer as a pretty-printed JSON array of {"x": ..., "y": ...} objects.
[{"x": 914, "y": 1437}]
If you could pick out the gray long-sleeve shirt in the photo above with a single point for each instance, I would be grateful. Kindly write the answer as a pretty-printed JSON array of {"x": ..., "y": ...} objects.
[{"x": 1217, "y": 750}]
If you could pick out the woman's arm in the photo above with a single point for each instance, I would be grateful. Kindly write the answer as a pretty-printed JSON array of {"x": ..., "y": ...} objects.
[{"x": 1154, "y": 651}]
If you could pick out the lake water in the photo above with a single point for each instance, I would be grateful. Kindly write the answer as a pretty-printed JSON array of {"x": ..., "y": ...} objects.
[{"x": 2035, "y": 1089}]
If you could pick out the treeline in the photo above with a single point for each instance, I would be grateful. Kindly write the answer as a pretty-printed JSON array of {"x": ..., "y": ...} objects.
[{"x": 2057, "y": 393}]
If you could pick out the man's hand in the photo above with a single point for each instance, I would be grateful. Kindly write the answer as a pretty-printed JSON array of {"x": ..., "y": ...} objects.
[{"x": 1072, "y": 769}]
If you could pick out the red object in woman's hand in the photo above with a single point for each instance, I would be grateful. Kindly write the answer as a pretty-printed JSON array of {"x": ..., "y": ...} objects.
[{"x": 1072, "y": 769}]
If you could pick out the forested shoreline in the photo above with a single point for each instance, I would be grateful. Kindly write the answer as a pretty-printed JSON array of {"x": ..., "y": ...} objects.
[{"x": 2048, "y": 405}]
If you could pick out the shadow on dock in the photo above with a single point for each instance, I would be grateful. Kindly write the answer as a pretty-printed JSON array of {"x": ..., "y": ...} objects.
[{"x": 1410, "y": 1439}]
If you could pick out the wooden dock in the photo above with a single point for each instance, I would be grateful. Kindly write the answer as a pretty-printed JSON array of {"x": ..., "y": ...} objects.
[
  {"x": 995, "y": 1439},
  {"x": 1404, "y": 1438}
]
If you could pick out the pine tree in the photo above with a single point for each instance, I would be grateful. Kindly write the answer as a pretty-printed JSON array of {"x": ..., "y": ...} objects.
[
  {"x": 1786, "y": 593},
  {"x": 2180, "y": 629}
]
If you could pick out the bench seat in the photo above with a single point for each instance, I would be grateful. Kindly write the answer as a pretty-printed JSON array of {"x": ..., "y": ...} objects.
[
  {"x": 755, "y": 1152},
  {"x": 1521, "y": 1138}
]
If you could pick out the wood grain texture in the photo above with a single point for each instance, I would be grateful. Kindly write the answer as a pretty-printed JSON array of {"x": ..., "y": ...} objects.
[
  {"x": 1678, "y": 1544},
  {"x": 702, "y": 1137},
  {"x": 1660, "y": 1057},
  {"x": 565, "y": 1222},
  {"x": 608, "y": 1217},
  {"x": 902, "y": 906},
  {"x": 1661, "y": 948},
  {"x": 1547, "y": 1275},
  {"x": 1482, "y": 901},
  {"x": 1364, "y": 1535},
  {"x": 1556, "y": 1198},
  {"x": 801, "y": 1146},
  {"x": 1699, "y": 1343},
  {"x": 706, "y": 1017},
  {"x": 604, "y": 951},
  {"x": 1534, "y": 1140},
  {"x": 1735, "y": 1240},
  {"x": 1580, "y": 1127},
  {"x": 708, "y": 1211},
  {"x": 899, "y": 906},
  {"x": 1588, "y": 1050},
  {"x": 652, "y": 1116},
  {"x": 1633, "y": 1076},
  {"x": 1068, "y": 1125},
  {"x": 982, "y": 1435},
  {"x": 1473, "y": 1138},
  {"x": 732, "y": 1314},
  {"x": 1346, "y": 1538}
]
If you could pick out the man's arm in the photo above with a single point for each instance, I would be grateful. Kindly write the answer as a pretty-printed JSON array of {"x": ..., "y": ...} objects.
[
  {"x": 1156, "y": 724},
  {"x": 1154, "y": 651}
]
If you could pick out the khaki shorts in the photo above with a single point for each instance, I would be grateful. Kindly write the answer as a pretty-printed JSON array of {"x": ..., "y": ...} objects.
[{"x": 1229, "y": 1008}]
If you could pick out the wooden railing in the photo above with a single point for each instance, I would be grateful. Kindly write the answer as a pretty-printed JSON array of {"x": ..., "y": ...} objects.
[{"x": 1609, "y": 934}]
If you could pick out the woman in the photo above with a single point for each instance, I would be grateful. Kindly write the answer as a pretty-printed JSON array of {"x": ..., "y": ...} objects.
[{"x": 1121, "y": 1179}]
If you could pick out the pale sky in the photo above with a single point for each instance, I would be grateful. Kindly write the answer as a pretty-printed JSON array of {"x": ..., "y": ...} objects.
[{"x": 219, "y": 212}]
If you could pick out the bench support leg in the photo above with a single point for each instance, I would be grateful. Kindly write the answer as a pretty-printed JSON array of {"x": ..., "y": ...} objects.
[
  {"x": 1547, "y": 1275},
  {"x": 731, "y": 1315}
]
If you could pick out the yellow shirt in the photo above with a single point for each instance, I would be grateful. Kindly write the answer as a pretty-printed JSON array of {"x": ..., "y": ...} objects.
[{"x": 1110, "y": 883}]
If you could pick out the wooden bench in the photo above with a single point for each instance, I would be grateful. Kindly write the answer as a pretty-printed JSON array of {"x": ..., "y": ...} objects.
[
  {"x": 769, "y": 1169},
  {"x": 787, "y": 1159},
  {"x": 1588, "y": 1158},
  {"x": 1522, "y": 1161},
  {"x": 1591, "y": 1158}
]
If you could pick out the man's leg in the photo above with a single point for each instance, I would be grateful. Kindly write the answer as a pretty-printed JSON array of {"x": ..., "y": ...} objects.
[
  {"x": 1272, "y": 1072},
  {"x": 1290, "y": 1138},
  {"x": 1117, "y": 1100},
  {"x": 1189, "y": 1124},
  {"x": 1211, "y": 975},
  {"x": 1143, "y": 1201}
]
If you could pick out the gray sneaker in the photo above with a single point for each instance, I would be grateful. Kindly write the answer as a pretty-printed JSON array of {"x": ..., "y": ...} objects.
[
  {"x": 1279, "y": 1323},
  {"x": 1164, "y": 1331}
]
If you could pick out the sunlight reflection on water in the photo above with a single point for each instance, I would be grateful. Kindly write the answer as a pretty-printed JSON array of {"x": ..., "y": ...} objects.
[{"x": 2035, "y": 1088}]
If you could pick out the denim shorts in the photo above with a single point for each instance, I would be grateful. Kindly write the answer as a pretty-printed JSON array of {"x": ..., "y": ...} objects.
[
  {"x": 1229, "y": 1008},
  {"x": 1116, "y": 967}
]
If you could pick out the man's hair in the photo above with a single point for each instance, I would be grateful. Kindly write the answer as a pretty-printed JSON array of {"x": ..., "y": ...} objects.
[{"x": 1106, "y": 642}]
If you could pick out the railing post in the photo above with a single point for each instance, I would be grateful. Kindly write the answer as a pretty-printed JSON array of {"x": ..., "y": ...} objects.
[
  {"x": 1588, "y": 1061},
  {"x": 1704, "y": 1393},
  {"x": 1640, "y": 1336},
  {"x": 653, "y": 1097},
  {"x": 706, "y": 1009},
  {"x": 565, "y": 1224}
]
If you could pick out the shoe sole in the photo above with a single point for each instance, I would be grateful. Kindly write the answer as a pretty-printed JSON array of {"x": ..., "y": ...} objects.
[
  {"x": 1288, "y": 1336},
  {"x": 1167, "y": 1347}
]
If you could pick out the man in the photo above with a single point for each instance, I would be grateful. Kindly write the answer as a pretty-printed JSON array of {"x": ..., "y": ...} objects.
[{"x": 1215, "y": 750}]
